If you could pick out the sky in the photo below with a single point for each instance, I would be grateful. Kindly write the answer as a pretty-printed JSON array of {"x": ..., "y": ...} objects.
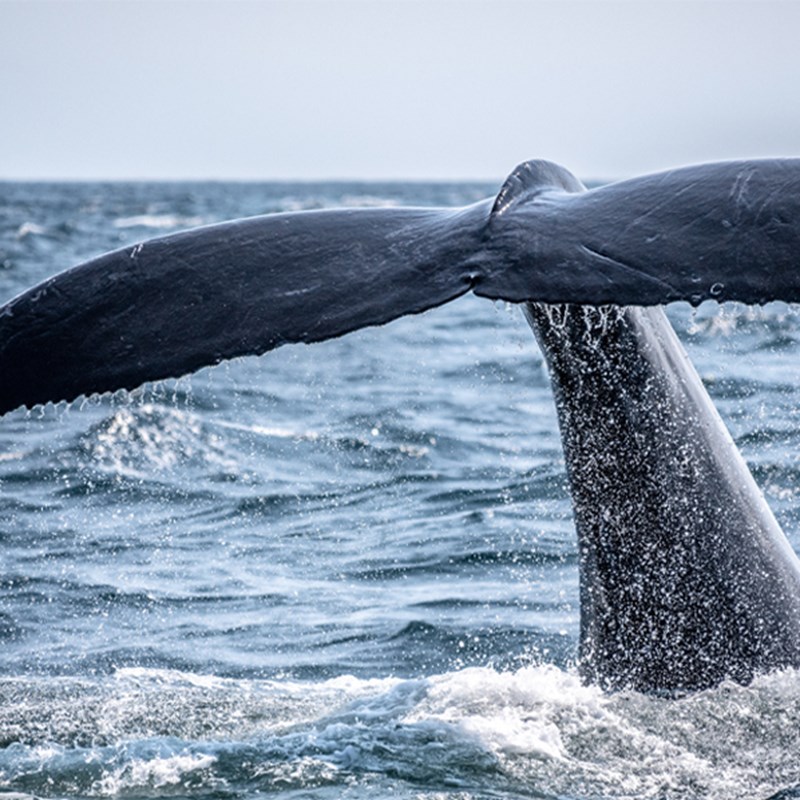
[{"x": 401, "y": 89}]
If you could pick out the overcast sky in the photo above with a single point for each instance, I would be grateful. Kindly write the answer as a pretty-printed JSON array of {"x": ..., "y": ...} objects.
[{"x": 391, "y": 88}]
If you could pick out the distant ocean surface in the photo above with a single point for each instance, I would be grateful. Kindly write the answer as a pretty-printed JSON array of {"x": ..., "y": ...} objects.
[{"x": 345, "y": 570}]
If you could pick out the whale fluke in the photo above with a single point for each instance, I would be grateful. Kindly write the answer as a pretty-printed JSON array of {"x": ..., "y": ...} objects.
[
  {"x": 171, "y": 305},
  {"x": 168, "y": 306},
  {"x": 726, "y": 231}
]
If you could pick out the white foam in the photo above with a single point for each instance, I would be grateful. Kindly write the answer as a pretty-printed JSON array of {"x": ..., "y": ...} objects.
[
  {"x": 30, "y": 229},
  {"x": 170, "y": 677},
  {"x": 536, "y": 728},
  {"x": 153, "y": 773},
  {"x": 509, "y": 712}
]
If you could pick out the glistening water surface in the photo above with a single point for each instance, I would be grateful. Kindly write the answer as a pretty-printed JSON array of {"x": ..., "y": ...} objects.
[{"x": 346, "y": 569}]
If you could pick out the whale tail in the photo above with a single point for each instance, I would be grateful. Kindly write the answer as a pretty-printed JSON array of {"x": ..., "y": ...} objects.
[
  {"x": 171, "y": 305},
  {"x": 686, "y": 578}
]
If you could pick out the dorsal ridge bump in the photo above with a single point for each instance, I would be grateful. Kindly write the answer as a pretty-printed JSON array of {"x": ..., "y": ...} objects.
[{"x": 530, "y": 179}]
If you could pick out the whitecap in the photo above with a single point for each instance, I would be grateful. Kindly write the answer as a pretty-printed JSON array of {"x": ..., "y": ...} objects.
[
  {"x": 30, "y": 229},
  {"x": 157, "y": 221}
]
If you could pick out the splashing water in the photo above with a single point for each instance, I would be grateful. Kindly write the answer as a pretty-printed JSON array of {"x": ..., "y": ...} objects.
[{"x": 347, "y": 570}]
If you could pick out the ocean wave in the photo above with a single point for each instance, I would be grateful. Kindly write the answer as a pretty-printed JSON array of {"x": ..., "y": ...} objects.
[
  {"x": 535, "y": 730},
  {"x": 30, "y": 229},
  {"x": 158, "y": 221}
]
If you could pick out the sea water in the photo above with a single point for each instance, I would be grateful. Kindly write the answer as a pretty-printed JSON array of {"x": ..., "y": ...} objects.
[{"x": 346, "y": 569}]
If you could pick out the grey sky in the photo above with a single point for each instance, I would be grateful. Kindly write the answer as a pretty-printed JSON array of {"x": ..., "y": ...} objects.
[{"x": 392, "y": 88}]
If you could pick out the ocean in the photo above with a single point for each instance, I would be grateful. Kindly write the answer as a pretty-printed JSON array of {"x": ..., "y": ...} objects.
[{"x": 344, "y": 570}]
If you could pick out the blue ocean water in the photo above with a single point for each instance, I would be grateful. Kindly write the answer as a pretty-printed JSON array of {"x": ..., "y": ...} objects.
[{"x": 346, "y": 569}]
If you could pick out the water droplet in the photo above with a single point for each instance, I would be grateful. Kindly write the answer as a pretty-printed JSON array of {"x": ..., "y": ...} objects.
[{"x": 716, "y": 289}]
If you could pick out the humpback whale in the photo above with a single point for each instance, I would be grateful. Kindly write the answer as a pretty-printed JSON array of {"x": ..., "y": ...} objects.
[{"x": 686, "y": 579}]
